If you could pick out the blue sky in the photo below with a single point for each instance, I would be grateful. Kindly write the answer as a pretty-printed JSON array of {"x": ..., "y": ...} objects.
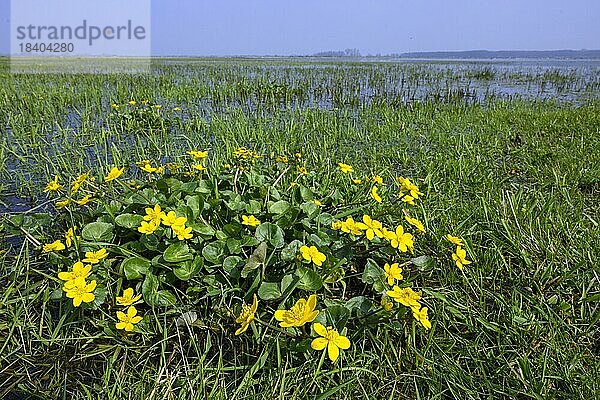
[{"x": 264, "y": 27}]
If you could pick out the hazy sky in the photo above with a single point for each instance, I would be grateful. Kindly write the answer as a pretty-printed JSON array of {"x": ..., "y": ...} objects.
[{"x": 261, "y": 27}]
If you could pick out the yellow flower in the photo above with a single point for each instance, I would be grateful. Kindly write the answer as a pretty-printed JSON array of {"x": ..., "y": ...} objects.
[
  {"x": 227, "y": 166},
  {"x": 54, "y": 246},
  {"x": 171, "y": 219},
  {"x": 405, "y": 296},
  {"x": 282, "y": 159},
  {"x": 247, "y": 315},
  {"x": 421, "y": 316},
  {"x": 415, "y": 222},
  {"x": 401, "y": 240},
  {"x": 95, "y": 257},
  {"x": 409, "y": 200},
  {"x": 79, "y": 271},
  {"x": 301, "y": 313},
  {"x": 345, "y": 168},
  {"x": 182, "y": 232},
  {"x": 330, "y": 339},
  {"x": 312, "y": 254},
  {"x": 132, "y": 103},
  {"x": 173, "y": 166},
  {"x": 302, "y": 170},
  {"x": 62, "y": 203},
  {"x": 78, "y": 182},
  {"x": 373, "y": 227},
  {"x": 157, "y": 106},
  {"x": 53, "y": 186},
  {"x": 113, "y": 174},
  {"x": 460, "y": 257},
  {"x": 114, "y": 106},
  {"x": 70, "y": 236},
  {"x": 250, "y": 220},
  {"x": 377, "y": 179},
  {"x": 126, "y": 321},
  {"x": 317, "y": 202},
  {"x": 198, "y": 167},
  {"x": 148, "y": 168},
  {"x": 160, "y": 170},
  {"x": 198, "y": 155},
  {"x": 298, "y": 155},
  {"x": 375, "y": 195},
  {"x": 357, "y": 181},
  {"x": 128, "y": 299},
  {"x": 350, "y": 226},
  {"x": 407, "y": 186},
  {"x": 80, "y": 291},
  {"x": 86, "y": 199},
  {"x": 455, "y": 240},
  {"x": 147, "y": 228},
  {"x": 393, "y": 272},
  {"x": 154, "y": 215}
]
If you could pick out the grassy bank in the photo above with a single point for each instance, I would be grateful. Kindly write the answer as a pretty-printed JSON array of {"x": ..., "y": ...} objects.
[{"x": 518, "y": 180}]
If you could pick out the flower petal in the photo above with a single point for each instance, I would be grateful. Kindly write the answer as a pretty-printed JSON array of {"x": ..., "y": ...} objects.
[
  {"x": 320, "y": 329},
  {"x": 342, "y": 342},
  {"x": 319, "y": 343},
  {"x": 279, "y": 315},
  {"x": 333, "y": 351}
]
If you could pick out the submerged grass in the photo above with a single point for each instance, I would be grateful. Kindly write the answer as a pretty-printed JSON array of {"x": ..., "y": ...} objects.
[{"x": 518, "y": 179}]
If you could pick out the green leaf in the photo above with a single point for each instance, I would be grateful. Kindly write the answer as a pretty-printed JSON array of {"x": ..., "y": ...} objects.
[
  {"x": 164, "y": 298},
  {"x": 288, "y": 283},
  {"x": 129, "y": 221},
  {"x": 188, "y": 269},
  {"x": 306, "y": 193},
  {"x": 422, "y": 261},
  {"x": 234, "y": 246},
  {"x": 269, "y": 291},
  {"x": 372, "y": 272},
  {"x": 150, "y": 288},
  {"x": 361, "y": 305},
  {"x": 309, "y": 279},
  {"x": 204, "y": 230},
  {"x": 177, "y": 252},
  {"x": 214, "y": 252},
  {"x": 253, "y": 207},
  {"x": 97, "y": 232},
  {"x": 336, "y": 316},
  {"x": 290, "y": 251},
  {"x": 249, "y": 241},
  {"x": 195, "y": 203},
  {"x": 135, "y": 267},
  {"x": 256, "y": 260},
  {"x": 324, "y": 219},
  {"x": 279, "y": 207},
  {"x": 271, "y": 233},
  {"x": 311, "y": 210},
  {"x": 230, "y": 265}
]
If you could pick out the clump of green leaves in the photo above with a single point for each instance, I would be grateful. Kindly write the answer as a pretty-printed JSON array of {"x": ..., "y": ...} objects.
[{"x": 257, "y": 242}]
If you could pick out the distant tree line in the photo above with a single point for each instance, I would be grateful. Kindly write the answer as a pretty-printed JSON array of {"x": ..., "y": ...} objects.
[{"x": 340, "y": 53}]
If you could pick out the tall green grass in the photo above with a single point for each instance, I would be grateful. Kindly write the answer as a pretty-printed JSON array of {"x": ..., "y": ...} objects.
[{"x": 518, "y": 179}]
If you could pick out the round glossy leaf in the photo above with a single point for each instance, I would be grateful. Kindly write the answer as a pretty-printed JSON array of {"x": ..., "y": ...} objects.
[
  {"x": 177, "y": 252},
  {"x": 135, "y": 267},
  {"x": 97, "y": 232}
]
